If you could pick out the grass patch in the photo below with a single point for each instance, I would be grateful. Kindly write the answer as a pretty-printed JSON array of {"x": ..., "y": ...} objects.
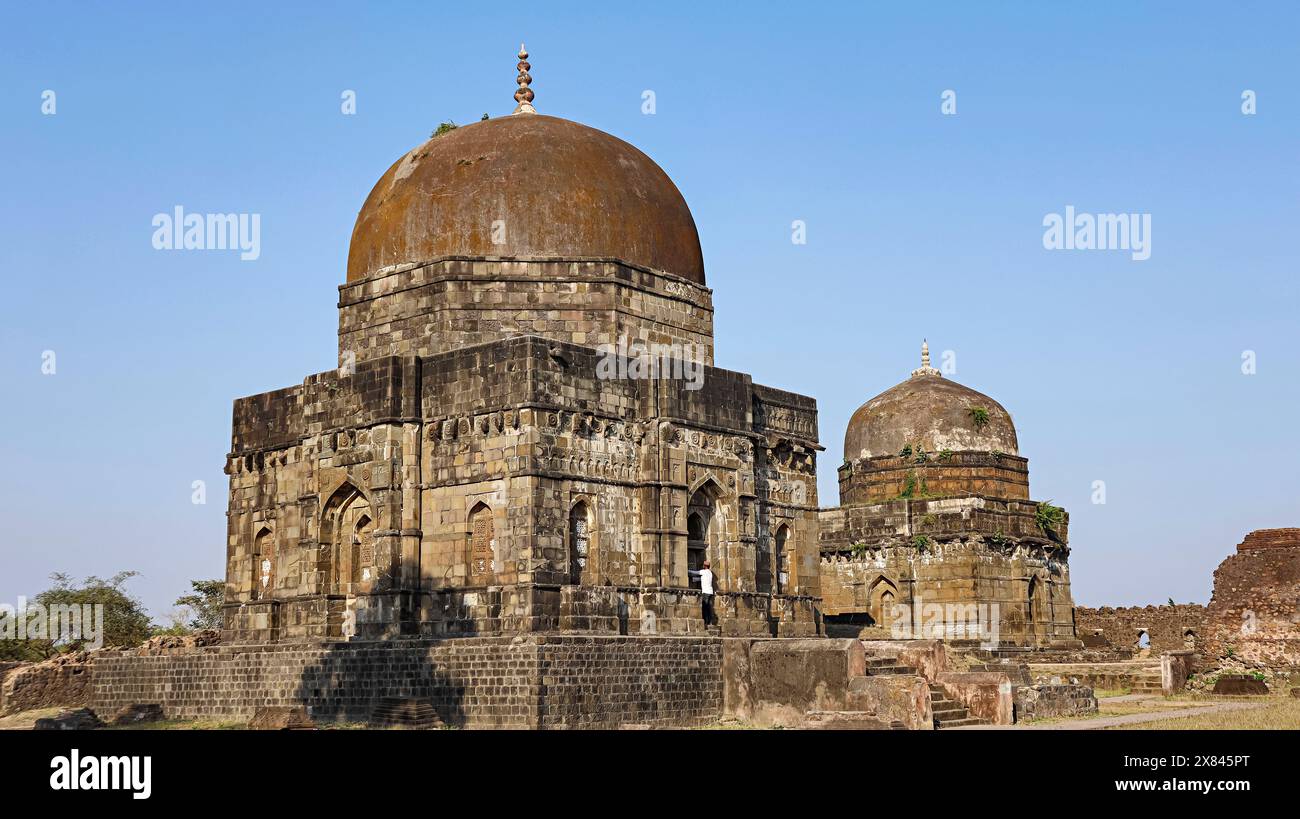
[
  {"x": 24, "y": 720},
  {"x": 1276, "y": 715}
]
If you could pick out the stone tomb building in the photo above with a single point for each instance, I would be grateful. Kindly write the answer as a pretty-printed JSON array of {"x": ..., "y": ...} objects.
[
  {"x": 495, "y": 502},
  {"x": 468, "y": 471},
  {"x": 935, "y": 510}
]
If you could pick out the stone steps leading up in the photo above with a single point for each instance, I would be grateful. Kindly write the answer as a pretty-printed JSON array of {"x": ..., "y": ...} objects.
[
  {"x": 949, "y": 713},
  {"x": 405, "y": 712},
  {"x": 886, "y": 665},
  {"x": 1147, "y": 685},
  {"x": 958, "y": 723}
]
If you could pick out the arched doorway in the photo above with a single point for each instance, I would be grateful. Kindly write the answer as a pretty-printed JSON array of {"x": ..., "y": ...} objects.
[
  {"x": 579, "y": 542},
  {"x": 706, "y": 530},
  {"x": 697, "y": 544},
  {"x": 481, "y": 539}
]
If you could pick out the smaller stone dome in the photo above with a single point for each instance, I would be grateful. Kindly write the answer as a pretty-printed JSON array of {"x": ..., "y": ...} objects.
[{"x": 932, "y": 412}]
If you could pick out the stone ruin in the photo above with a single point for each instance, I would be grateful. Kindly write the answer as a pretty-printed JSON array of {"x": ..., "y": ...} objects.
[
  {"x": 1251, "y": 625},
  {"x": 492, "y": 513},
  {"x": 1253, "y": 619},
  {"x": 1251, "y": 622},
  {"x": 936, "y": 534}
]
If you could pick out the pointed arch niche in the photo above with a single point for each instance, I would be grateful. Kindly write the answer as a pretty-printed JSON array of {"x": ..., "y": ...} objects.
[{"x": 347, "y": 543}]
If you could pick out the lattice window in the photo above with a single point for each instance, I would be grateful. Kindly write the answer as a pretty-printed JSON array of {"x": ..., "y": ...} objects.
[
  {"x": 579, "y": 542},
  {"x": 782, "y": 560},
  {"x": 482, "y": 544}
]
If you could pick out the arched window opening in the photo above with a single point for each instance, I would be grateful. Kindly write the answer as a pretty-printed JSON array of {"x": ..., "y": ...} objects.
[
  {"x": 482, "y": 545},
  {"x": 363, "y": 551},
  {"x": 263, "y": 564},
  {"x": 1031, "y": 606},
  {"x": 763, "y": 568},
  {"x": 781, "y": 559},
  {"x": 579, "y": 542},
  {"x": 886, "y": 608}
]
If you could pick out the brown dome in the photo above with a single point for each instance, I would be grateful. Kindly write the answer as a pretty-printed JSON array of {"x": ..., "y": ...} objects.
[
  {"x": 563, "y": 191},
  {"x": 929, "y": 411}
]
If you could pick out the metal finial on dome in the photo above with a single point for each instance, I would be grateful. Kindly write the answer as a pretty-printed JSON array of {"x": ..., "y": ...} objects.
[
  {"x": 925, "y": 368},
  {"x": 524, "y": 96}
]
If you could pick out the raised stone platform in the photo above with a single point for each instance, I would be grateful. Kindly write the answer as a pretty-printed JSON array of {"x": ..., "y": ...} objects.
[{"x": 523, "y": 682}]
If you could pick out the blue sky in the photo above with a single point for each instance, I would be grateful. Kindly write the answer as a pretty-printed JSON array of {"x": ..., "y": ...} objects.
[{"x": 918, "y": 225}]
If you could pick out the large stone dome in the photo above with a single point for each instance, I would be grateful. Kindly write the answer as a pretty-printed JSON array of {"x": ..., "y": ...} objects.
[
  {"x": 556, "y": 190},
  {"x": 932, "y": 412}
]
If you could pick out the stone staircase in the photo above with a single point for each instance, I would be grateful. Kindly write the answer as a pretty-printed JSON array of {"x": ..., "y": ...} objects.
[
  {"x": 405, "y": 712},
  {"x": 948, "y": 713},
  {"x": 877, "y": 666},
  {"x": 1147, "y": 684}
]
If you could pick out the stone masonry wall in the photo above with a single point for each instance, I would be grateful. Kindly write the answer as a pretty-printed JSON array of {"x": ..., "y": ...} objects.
[
  {"x": 1167, "y": 626},
  {"x": 352, "y": 494},
  {"x": 448, "y": 303},
  {"x": 1254, "y": 615},
  {"x": 940, "y": 475},
  {"x": 988, "y": 552},
  {"x": 552, "y": 681},
  {"x": 61, "y": 680}
]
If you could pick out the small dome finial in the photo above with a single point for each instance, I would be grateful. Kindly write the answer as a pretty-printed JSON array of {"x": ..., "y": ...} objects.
[
  {"x": 524, "y": 96},
  {"x": 925, "y": 368}
]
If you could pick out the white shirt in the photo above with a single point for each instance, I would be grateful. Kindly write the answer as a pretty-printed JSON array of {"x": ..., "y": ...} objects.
[{"x": 706, "y": 581}]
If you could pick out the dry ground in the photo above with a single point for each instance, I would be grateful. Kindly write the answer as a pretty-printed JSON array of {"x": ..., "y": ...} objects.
[{"x": 1273, "y": 713}]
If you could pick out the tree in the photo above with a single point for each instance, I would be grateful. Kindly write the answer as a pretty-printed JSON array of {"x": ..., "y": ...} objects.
[
  {"x": 444, "y": 128},
  {"x": 124, "y": 622},
  {"x": 205, "y": 602}
]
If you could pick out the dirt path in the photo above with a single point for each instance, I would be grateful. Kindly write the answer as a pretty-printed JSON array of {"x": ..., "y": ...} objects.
[{"x": 1097, "y": 723}]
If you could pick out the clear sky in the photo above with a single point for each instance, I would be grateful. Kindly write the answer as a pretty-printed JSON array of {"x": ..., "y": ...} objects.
[{"x": 919, "y": 224}]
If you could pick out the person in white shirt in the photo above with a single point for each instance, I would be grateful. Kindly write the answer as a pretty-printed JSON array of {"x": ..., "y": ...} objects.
[{"x": 705, "y": 574}]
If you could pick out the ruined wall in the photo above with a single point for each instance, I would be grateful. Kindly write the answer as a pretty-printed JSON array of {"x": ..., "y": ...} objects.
[
  {"x": 536, "y": 682},
  {"x": 1170, "y": 628},
  {"x": 1053, "y": 701},
  {"x": 1254, "y": 614},
  {"x": 62, "y": 680}
]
